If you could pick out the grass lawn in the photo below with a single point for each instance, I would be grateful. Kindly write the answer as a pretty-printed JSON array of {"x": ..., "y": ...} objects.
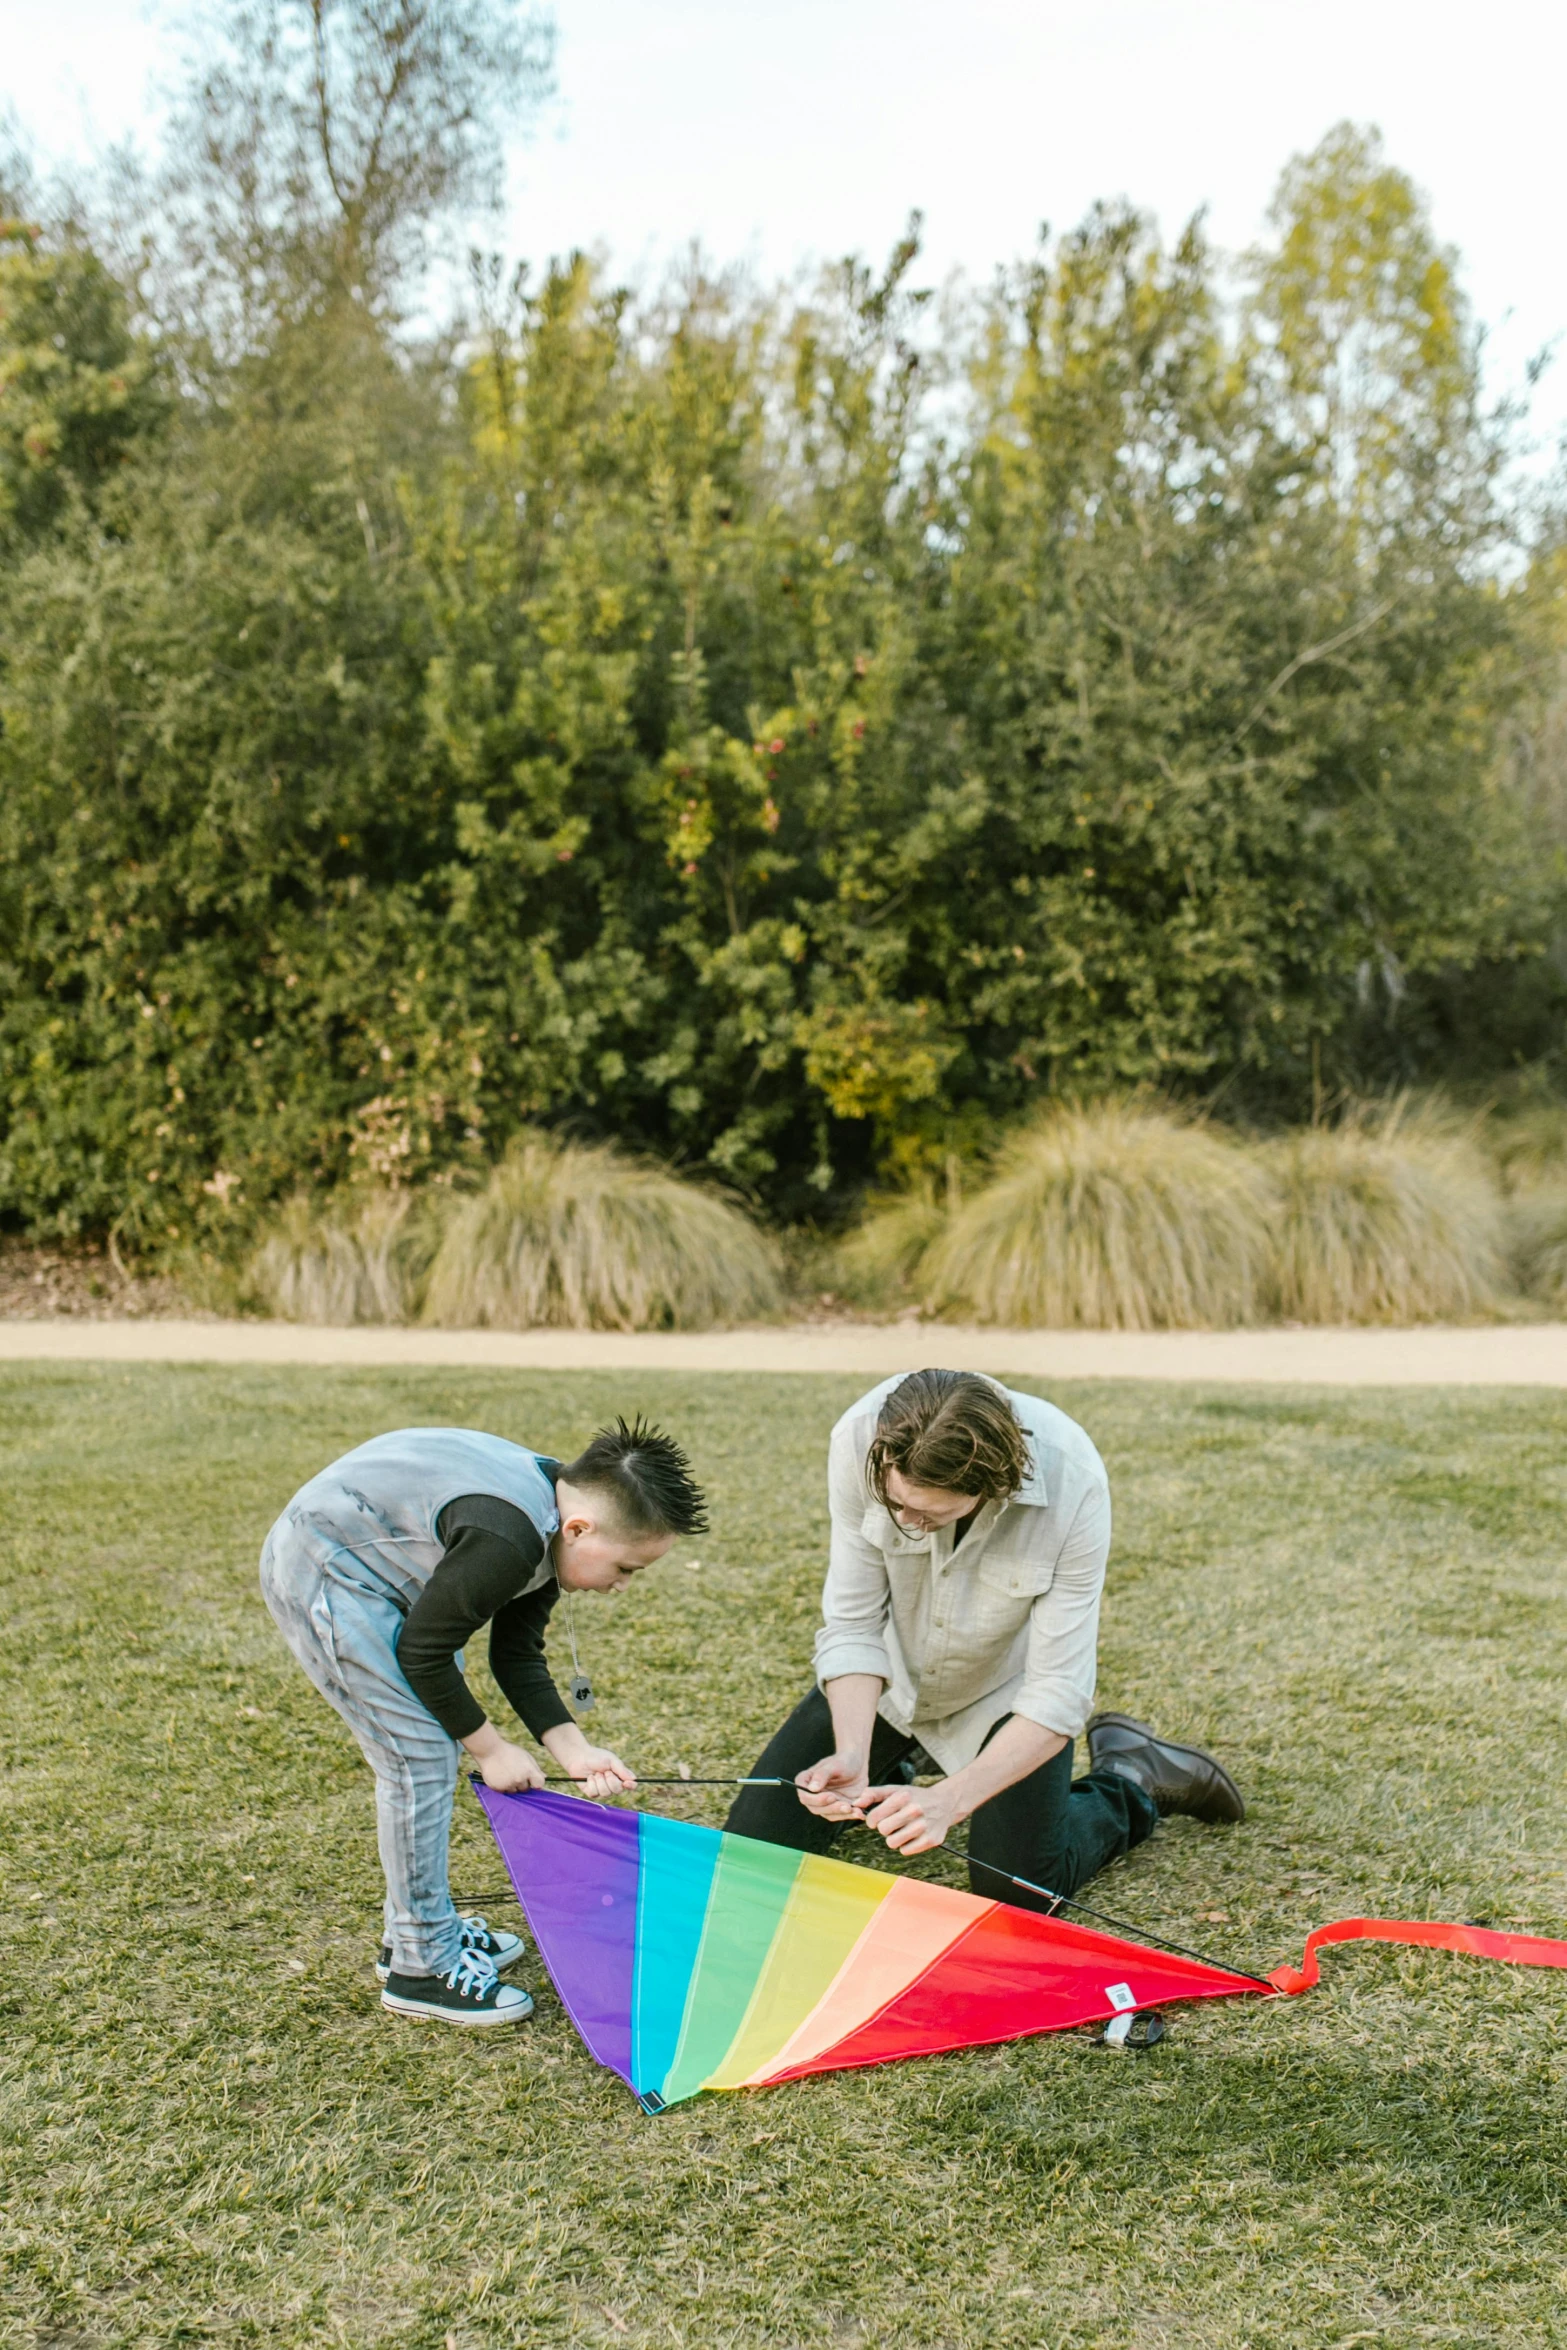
[{"x": 211, "y": 2133}]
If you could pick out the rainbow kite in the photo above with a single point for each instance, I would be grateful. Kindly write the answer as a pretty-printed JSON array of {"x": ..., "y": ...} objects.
[{"x": 691, "y": 1959}]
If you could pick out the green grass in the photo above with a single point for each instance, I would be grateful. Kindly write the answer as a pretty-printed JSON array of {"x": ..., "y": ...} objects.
[{"x": 212, "y": 2135}]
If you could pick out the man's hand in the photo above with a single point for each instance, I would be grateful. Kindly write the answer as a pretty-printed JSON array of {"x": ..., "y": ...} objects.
[
  {"x": 509, "y": 1769},
  {"x": 914, "y": 1819},
  {"x": 833, "y": 1789}
]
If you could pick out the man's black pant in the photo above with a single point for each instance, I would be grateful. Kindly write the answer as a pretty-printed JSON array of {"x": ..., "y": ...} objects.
[{"x": 1049, "y": 1828}]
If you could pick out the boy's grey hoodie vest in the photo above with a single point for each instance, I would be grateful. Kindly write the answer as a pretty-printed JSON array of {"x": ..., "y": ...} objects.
[{"x": 373, "y": 1513}]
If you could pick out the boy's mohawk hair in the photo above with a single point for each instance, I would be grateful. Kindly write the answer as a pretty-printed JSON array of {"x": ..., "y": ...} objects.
[{"x": 646, "y": 1477}]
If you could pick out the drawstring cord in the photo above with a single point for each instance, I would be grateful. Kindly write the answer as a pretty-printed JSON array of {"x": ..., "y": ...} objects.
[{"x": 581, "y": 1688}]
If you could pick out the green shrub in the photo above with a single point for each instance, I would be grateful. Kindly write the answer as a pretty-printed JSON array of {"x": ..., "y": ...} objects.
[
  {"x": 1115, "y": 1216},
  {"x": 581, "y": 1237},
  {"x": 697, "y": 715},
  {"x": 354, "y": 1257},
  {"x": 1388, "y": 1217}
]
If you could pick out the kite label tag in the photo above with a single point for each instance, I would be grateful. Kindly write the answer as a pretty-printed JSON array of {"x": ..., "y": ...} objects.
[{"x": 1120, "y": 1997}]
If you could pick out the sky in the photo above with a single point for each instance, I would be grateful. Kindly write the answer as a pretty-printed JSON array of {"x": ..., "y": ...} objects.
[{"x": 777, "y": 131}]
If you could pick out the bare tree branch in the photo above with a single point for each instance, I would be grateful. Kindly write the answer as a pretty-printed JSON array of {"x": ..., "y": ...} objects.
[
  {"x": 323, "y": 139},
  {"x": 1304, "y": 660}
]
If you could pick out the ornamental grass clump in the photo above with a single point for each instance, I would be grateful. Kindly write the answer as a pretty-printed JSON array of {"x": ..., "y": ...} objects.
[
  {"x": 1528, "y": 1147},
  {"x": 359, "y": 1256},
  {"x": 1390, "y": 1216},
  {"x": 1109, "y": 1216},
  {"x": 878, "y": 1263},
  {"x": 1537, "y": 1246},
  {"x": 1529, "y": 1150},
  {"x": 578, "y": 1236}
]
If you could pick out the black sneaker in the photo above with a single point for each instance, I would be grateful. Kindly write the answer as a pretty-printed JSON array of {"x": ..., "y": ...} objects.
[
  {"x": 502, "y": 1949},
  {"x": 471, "y": 1994}
]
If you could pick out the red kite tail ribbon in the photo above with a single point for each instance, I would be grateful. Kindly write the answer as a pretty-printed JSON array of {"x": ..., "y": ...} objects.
[{"x": 1478, "y": 1941}]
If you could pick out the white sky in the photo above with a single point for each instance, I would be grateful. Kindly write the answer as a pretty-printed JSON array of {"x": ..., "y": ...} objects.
[{"x": 775, "y": 130}]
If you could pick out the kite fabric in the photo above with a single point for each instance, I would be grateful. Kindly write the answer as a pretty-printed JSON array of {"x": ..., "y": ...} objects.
[{"x": 690, "y": 1959}]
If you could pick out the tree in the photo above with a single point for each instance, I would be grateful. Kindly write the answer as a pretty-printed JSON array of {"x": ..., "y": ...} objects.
[
  {"x": 789, "y": 732},
  {"x": 77, "y": 390},
  {"x": 327, "y": 139},
  {"x": 1358, "y": 321}
]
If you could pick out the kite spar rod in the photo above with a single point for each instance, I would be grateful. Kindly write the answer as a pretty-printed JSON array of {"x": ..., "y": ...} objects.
[
  {"x": 1057, "y": 1900},
  {"x": 1141, "y": 1933},
  {"x": 565, "y": 1779}
]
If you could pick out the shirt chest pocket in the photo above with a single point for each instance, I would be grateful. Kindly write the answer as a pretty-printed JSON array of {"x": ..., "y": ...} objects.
[{"x": 1007, "y": 1577}]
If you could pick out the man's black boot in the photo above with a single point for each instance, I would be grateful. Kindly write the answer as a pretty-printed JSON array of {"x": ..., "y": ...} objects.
[{"x": 1179, "y": 1778}]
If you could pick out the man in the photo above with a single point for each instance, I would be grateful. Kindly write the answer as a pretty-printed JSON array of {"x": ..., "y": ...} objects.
[
  {"x": 379, "y": 1572},
  {"x": 970, "y": 1530}
]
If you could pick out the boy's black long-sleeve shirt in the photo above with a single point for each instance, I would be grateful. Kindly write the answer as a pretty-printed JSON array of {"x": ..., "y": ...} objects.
[{"x": 493, "y": 1552}]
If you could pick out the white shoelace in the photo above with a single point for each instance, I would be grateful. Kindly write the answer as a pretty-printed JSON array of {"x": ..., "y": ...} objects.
[
  {"x": 474, "y": 1931},
  {"x": 473, "y": 1975}
]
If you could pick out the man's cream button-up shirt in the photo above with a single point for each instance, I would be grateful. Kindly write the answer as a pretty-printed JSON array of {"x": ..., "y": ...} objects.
[{"x": 1005, "y": 1622}]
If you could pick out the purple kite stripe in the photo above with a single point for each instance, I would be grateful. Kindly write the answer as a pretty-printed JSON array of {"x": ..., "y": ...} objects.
[{"x": 575, "y": 1869}]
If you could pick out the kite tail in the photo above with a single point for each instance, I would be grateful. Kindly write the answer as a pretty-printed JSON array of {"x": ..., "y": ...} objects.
[{"x": 1478, "y": 1941}]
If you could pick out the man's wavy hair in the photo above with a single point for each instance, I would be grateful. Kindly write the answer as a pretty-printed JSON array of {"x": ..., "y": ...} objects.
[{"x": 949, "y": 1429}]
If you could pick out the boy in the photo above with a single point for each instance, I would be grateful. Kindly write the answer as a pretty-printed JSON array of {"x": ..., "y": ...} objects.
[{"x": 378, "y": 1573}]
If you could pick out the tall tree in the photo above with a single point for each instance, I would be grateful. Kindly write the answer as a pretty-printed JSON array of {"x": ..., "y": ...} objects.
[
  {"x": 327, "y": 139},
  {"x": 1358, "y": 314}
]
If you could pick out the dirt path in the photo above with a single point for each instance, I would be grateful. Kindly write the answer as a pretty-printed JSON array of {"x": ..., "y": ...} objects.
[{"x": 1534, "y": 1355}]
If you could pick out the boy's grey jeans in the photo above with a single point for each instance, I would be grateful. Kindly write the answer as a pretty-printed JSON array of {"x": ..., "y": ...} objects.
[{"x": 342, "y": 1623}]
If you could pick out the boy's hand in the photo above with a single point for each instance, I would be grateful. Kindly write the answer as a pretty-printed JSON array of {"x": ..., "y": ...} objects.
[
  {"x": 597, "y": 1772},
  {"x": 509, "y": 1769},
  {"x": 601, "y": 1773}
]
